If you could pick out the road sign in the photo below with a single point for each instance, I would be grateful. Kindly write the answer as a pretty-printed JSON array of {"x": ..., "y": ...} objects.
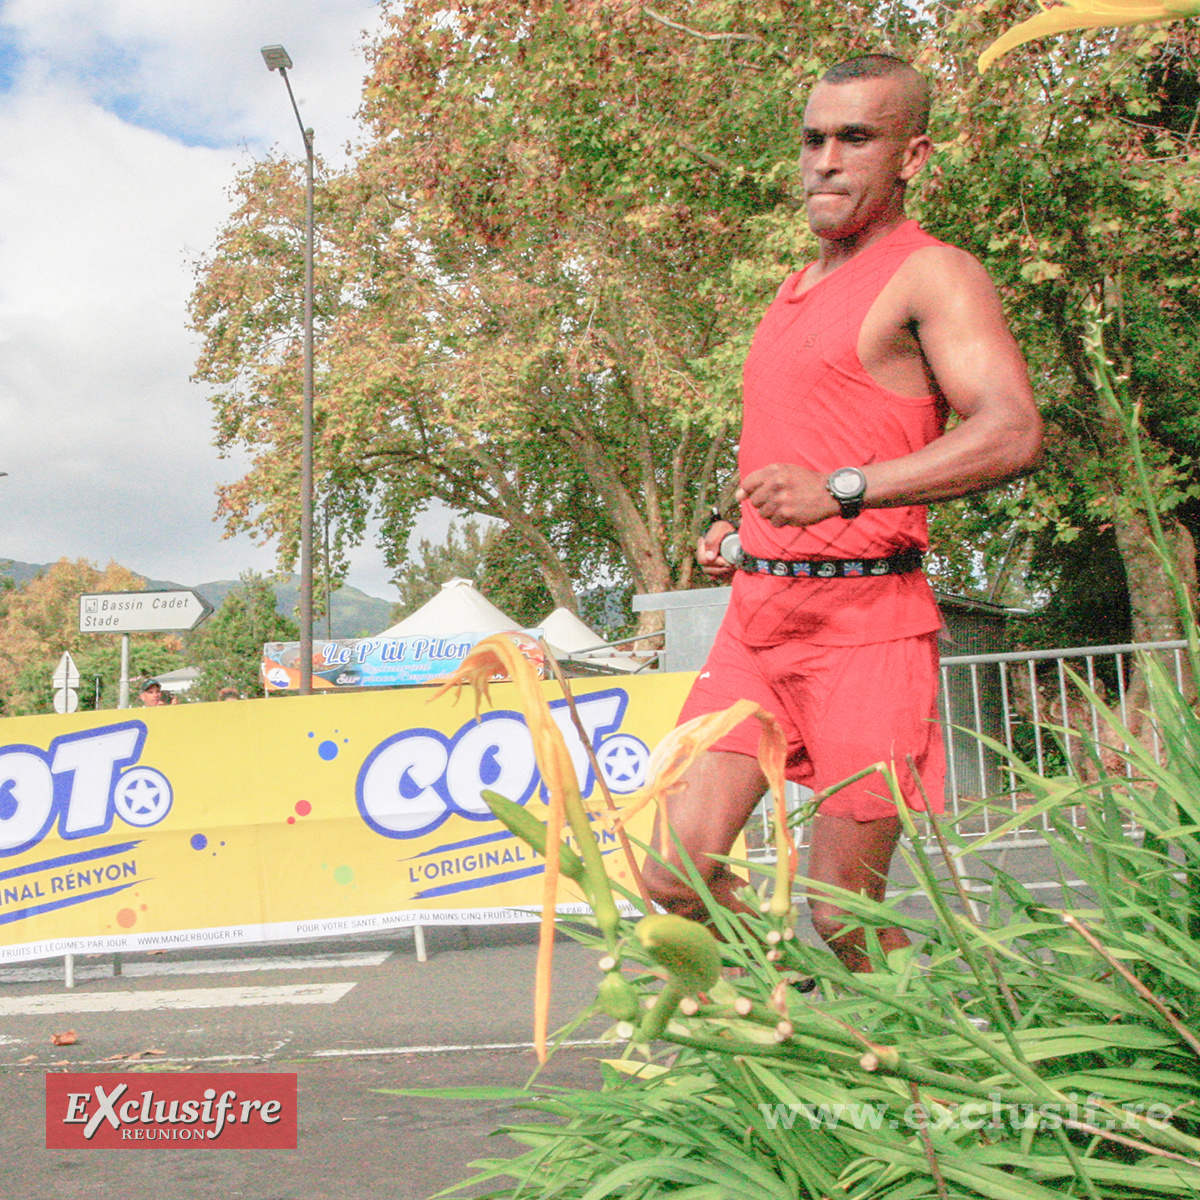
[
  {"x": 66, "y": 674},
  {"x": 142, "y": 612},
  {"x": 66, "y": 700}
]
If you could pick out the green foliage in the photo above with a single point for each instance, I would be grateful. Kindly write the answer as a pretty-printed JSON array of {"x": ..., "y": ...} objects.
[
  {"x": 1003, "y": 1055},
  {"x": 512, "y": 581},
  {"x": 1074, "y": 183},
  {"x": 491, "y": 557},
  {"x": 39, "y": 620},
  {"x": 228, "y": 646}
]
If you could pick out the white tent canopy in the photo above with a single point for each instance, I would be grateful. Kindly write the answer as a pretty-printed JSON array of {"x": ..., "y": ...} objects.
[
  {"x": 569, "y": 637},
  {"x": 567, "y": 633},
  {"x": 457, "y": 608},
  {"x": 460, "y": 608}
]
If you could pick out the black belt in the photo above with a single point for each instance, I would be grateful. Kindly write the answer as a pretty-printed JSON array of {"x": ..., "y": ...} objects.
[{"x": 834, "y": 568}]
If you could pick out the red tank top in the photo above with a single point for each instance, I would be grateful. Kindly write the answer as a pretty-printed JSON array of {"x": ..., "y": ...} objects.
[{"x": 808, "y": 399}]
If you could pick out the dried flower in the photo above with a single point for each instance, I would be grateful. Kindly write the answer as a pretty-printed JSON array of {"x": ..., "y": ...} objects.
[{"x": 1086, "y": 14}]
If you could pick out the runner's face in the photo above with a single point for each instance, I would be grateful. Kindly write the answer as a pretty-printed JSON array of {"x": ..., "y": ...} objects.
[{"x": 858, "y": 154}]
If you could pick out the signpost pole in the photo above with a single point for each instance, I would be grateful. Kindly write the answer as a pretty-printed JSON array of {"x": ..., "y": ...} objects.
[
  {"x": 65, "y": 682},
  {"x": 123, "y": 694}
]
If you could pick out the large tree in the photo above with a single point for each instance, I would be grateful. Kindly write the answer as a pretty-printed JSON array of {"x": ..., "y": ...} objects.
[
  {"x": 541, "y": 270},
  {"x": 529, "y": 297}
]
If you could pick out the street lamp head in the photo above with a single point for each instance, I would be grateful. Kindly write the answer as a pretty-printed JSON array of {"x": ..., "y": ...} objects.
[{"x": 276, "y": 57}]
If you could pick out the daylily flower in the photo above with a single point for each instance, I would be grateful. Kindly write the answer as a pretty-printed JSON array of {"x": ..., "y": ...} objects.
[
  {"x": 685, "y": 743},
  {"x": 1087, "y": 14},
  {"x": 499, "y": 656}
]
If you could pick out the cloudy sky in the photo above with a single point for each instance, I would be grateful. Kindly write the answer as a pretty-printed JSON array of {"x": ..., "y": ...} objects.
[{"x": 122, "y": 125}]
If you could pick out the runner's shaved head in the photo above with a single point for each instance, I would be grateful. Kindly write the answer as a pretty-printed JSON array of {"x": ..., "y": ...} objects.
[{"x": 912, "y": 86}]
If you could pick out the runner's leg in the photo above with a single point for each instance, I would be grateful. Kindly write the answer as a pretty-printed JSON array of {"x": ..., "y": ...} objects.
[
  {"x": 856, "y": 705},
  {"x": 854, "y": 855},
  {"x": 705, "y": 816}
]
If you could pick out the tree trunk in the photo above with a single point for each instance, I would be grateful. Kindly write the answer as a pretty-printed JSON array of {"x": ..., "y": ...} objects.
[
  {"x": 1152, "y": 603},
  {"x": 648, "y": 566},
  {"x": 510, "y": 509}
]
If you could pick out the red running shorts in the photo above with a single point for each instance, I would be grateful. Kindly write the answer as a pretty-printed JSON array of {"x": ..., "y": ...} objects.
[{"x": 842, "y": 708}]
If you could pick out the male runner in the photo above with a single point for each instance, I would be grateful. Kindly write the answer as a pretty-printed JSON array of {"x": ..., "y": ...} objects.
[{"x": 847, "y": 387}]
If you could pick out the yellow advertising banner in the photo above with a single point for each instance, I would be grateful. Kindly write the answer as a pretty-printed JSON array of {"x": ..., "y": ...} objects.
[{"x": 260, "y": 820}]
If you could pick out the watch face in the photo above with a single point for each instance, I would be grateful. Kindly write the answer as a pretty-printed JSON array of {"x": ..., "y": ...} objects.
[{"x": 847, "y": 483}]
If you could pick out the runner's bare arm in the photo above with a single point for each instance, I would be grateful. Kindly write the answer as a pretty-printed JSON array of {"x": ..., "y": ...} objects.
[
  {"x": 979, "y": 370},
  {"x": 949, "y": 302}
]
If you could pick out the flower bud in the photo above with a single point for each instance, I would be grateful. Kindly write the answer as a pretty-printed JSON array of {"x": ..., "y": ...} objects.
[
  {"x": 617, "y": 997},
  {"x": 687, "y": 950}
]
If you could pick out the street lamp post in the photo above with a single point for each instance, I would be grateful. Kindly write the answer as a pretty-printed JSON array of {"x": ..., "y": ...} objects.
[{"x": 277, "y": 59}]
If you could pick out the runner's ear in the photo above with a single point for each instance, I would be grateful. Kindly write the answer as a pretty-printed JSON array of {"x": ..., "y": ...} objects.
[{"x": 916, "y": 155}]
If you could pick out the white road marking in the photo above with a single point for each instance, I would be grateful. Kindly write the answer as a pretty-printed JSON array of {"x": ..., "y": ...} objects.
[
  {"x": 234, "y": 997},
  {"x": 368, "y": 1051},
  {"x": 102, "y": 968},
  {"x": 979, "y": 889}
]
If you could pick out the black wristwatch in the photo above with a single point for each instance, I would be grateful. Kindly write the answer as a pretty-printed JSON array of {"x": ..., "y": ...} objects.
[
  {"x": 715, "y": 518},
  {"x": 848, "y": 486}
]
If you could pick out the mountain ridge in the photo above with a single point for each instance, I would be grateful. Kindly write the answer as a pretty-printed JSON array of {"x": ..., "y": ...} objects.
[{"x": 355, "y": 612}]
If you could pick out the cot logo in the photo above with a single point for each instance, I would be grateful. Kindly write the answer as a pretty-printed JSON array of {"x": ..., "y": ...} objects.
[
  {"x": 82, "y": 781},
  {"x": 410, "y": 783}
]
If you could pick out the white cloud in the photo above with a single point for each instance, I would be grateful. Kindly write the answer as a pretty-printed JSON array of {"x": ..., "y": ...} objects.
[
  {"x": 125, "y": 123},
  {"x": 196, "y": 66}
]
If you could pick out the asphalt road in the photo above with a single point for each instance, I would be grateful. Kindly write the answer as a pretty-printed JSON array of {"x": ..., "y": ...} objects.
[
  {"x": 348, "y": 1016},
  {"x": 462, "y": 1018}
]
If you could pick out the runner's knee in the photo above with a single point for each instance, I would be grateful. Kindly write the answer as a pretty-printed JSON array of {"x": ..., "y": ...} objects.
[
  {"x": 672, "y": 893},
  {"x": 828, "y": 920}
]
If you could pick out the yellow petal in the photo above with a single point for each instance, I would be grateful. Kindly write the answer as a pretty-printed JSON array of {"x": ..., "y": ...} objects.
[
  {"x": 498, "y": 655},
  {"x": 1059, "y": 20},
  {"x": 685, "y": 743},
  {"x": 772, "y": 755}
]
